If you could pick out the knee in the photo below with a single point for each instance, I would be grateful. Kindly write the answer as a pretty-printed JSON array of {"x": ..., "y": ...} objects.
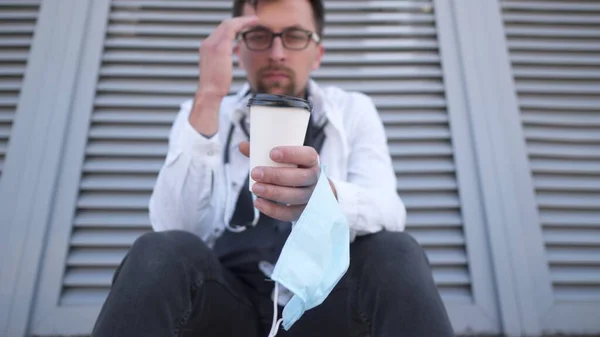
[
  {"x": 163, "y": 251},
  {"x": 388, "y": 254},
  {"x": 386, "y": 245}
]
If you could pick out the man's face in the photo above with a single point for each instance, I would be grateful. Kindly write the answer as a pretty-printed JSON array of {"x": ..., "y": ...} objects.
[{"x": 278, "y": 70}]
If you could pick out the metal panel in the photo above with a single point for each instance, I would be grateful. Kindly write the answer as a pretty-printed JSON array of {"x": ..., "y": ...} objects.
[
  {"x": 16, "y": 33},
  {"x": 148, "y": 66},
  {"x": 555, "y": 57}
]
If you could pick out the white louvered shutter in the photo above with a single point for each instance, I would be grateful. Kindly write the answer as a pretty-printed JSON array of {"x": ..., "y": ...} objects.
[
  {"x": 555, "y": 54},
  {"x": 16, "y": 33},
  {"x": 386, "y": 49}
]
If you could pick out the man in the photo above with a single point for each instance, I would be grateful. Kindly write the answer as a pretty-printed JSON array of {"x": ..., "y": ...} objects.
[{"x": 205, "y": 269}]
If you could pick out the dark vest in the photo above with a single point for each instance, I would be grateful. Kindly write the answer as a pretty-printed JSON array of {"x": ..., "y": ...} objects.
[{"x": 265, "y": 240}]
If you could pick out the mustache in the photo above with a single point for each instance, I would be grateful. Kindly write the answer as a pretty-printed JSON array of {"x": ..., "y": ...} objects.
[{"x": 269, "y": 69}]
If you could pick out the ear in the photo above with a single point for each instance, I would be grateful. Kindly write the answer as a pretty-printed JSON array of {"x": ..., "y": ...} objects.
[
  {"x": 320, "y": 52},
  {"x": 236, "y": 51}
]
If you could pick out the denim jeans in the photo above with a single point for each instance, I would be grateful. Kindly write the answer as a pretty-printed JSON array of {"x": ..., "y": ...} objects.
[{"x": 172, "y": 284}]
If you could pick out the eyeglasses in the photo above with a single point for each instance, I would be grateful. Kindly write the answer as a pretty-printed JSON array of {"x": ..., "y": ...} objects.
[{"x": 260, "y": 39}]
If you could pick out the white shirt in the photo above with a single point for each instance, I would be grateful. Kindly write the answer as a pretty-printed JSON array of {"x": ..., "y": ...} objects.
[{"x": 194, "y": 194}]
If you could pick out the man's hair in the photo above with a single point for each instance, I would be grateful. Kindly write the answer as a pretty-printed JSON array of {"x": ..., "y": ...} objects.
[{"x": 317, "y": 8}]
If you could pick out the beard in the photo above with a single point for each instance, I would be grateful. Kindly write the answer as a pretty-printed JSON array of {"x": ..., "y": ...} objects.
[{"x": 285, "y": 86}]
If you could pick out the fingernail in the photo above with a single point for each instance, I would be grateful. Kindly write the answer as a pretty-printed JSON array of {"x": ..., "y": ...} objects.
[
  {"x": 258, "y": 188},
  {"x": 276, "y": 155},
  {"x": 257, "y": 174}
]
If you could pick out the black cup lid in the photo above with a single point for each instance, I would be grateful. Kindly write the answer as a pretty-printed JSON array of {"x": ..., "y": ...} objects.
[{"x": 281, "y": 101}]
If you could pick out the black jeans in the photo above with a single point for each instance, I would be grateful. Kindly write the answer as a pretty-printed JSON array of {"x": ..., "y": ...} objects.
[{"x": 172, "y": 284}]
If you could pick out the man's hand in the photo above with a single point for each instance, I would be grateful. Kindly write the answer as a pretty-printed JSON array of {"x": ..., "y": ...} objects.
[
  {"x": 216, "y": 71},
  {"x": 284, "y": 191}
]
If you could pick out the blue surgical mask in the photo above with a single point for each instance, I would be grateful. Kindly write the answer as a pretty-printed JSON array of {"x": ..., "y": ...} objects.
[{"x": 315, "y": 256}]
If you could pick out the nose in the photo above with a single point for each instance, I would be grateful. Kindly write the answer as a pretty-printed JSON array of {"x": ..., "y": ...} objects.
[{"x": 277, "y": 52}]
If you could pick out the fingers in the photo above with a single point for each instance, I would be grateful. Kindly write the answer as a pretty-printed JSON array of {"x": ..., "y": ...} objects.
[
  {"x": 286, "y": 176},
  {"x": 280, "y": 212},
  {"x": 245, "y": 148},
  {"x": 282, "y": 194},
  {"x": 229, "y": 28},
  {"x": 304, "y": 156}
]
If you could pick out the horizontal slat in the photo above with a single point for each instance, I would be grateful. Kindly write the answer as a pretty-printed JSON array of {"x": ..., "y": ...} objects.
[
  {"x": 429, "y": 132},
  {"x": 568, "y": 200},
  {"x": 331, "y": 18},
  {"x": 19, "y": 3},
  {"x": 8, "y": 101},
  {"x": 565, "y": 88},
  {"x": 564, "y": 134},
  {"x": 17, "y": 28},
  {"x": 546, "y": 6},
  {"x": 451, "y": 276},
  {"x": 575, "y": 103},
  {"x": 434, "y": 200},
  {"x": 421, "y": 117},
  {"x": 14, "y": 42},
  {"x": 10, "y": 85},
  {"x": 121, "y": 182},
  {"x": 555, "y": 73},
  {"x": 577, "y": 293},
  {"x": 124, "y": 117},
  {"x": 551, "y": 32},
  {"x": 563, "y": 18},
  {"x": 4, "y": 131},
  {"x": 6, "y": 116},
  {"x": 420, "y": 149},
  {"x": 193, "y": 44},
  {"x": 88, "y": 277},
  {"x": 565, "y": 166},
  {"x": 130, "y": 132},
  {"x": 455, "y": 256},
  {"x": 438, "y": 237},
  {"x": 572, "y": 237},
  {"x": 374, "y": 87},
  {"x": 560, "y": 150},
  {"x": 11, "y": 70},
  {"x": 567, "y": 219},
  {"x": 574, "y": 256},
  {"x": 576, "y": 275},
  {"x": 114, "y": 218},
  {"x": 416, "y": 183},
  {"x": 329, "y": 59},
  {"x": 434, "y": 218},
  {"x": 83, "y": 296},
  {"x": 105, "y": 238},
  {"x": 151, "y": 101},
  {"x": 422, "y": 165},
  {"x": 96, "y": 257},
  {"x": 574, "y": 59},
  {"x": 225, "y": 6},
  {"x": 568, "y": 183},
  {"x": 110, "y": 201},
  {"x": 558, "y": 45},
  {"x": 561, "y": 118},
  {"x": 120, "y": 149},
  {"x": 357, "y": 73},
  {"x": 200, "y": 32},
  {"x": 17, "y": 15},
  {"x": 122, "y": 165}
]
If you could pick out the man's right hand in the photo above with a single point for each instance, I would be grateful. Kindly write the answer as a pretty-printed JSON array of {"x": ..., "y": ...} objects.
[{"x": 216, "y": 71}]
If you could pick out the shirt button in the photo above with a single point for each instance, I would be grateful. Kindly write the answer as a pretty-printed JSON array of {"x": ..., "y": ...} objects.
[{"x": 210, "y": 153}]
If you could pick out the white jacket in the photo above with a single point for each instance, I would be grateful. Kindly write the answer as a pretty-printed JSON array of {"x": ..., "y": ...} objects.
[{"x": 194, "y": 194}]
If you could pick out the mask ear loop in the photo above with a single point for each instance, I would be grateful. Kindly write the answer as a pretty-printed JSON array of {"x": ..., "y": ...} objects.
[{"x": 276, "y": 322}]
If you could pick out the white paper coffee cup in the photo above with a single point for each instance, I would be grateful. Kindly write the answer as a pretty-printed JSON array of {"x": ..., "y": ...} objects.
[{"x": 275, "y": 120}]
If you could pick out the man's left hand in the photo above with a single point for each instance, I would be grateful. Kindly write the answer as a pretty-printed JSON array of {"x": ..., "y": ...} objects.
[{"x": 283, "y": 192}]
